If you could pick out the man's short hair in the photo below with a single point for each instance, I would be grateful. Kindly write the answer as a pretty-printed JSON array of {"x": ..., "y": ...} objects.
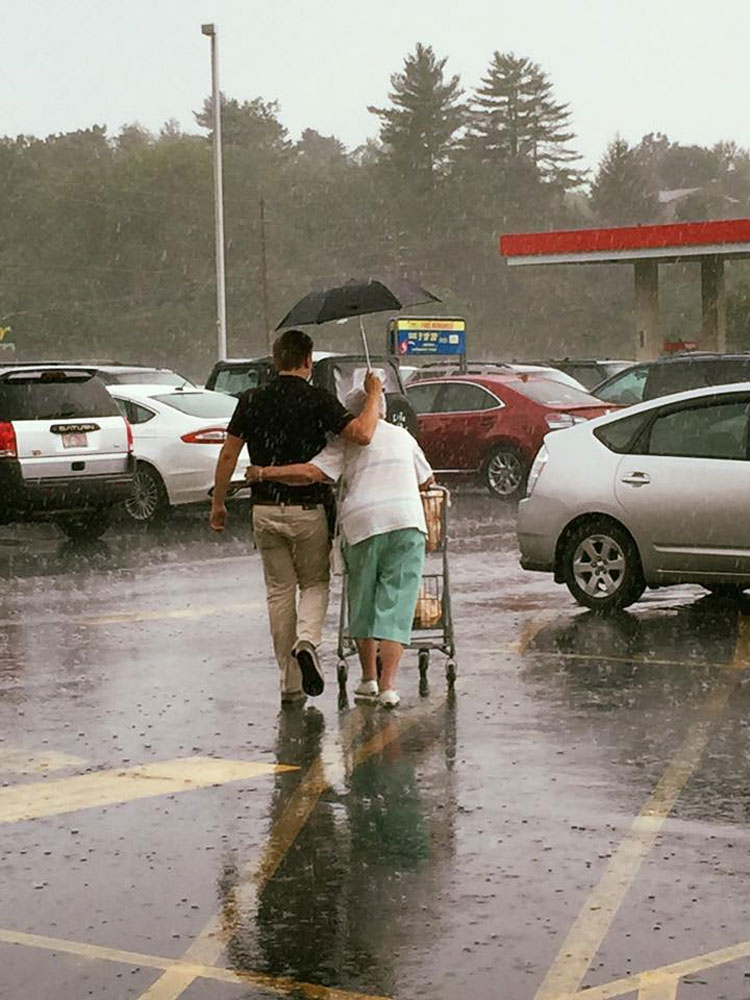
[{"x": 291, "y": 350}]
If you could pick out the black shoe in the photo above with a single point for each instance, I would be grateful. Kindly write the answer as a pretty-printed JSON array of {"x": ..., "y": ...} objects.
[{"x": 309, "y": 665}]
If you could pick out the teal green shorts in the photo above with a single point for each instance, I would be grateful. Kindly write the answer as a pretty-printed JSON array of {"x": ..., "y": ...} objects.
[{"x": 385, "y": 573}]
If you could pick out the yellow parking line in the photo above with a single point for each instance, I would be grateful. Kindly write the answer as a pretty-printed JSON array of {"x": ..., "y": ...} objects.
[
  {"x": 593, "y": 922},
  {"x": 194, "y": 971},
  {"x": 667, "y": 974},
  {"x": 658, "y": 987},
  {"x": 199, "y": 611},
  {"x": 102, "y": 788}
]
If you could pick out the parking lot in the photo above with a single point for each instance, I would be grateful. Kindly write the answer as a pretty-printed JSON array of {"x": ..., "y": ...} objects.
[{"x": 571, "y": 821}]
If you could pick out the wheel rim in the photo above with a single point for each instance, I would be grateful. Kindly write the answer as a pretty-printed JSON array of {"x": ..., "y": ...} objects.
[
  {"x": 599, "y": 564},
  {"x": 504, "y": 473},
  {"x": 144, "y": 501},
  {"x": 399, "y": 418}
]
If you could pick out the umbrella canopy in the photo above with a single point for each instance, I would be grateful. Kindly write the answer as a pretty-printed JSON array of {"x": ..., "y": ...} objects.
[{"x": 355, "y": 298}]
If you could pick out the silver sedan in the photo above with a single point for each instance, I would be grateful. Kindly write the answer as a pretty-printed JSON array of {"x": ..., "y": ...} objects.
[{"x": 652, "y": 495}]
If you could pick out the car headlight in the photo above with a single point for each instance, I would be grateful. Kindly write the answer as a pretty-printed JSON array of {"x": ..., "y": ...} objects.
[{"x": 542, "y": 456}]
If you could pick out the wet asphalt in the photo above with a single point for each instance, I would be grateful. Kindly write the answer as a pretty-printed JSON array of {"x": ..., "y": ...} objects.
[{"x": 573, "y": 814}]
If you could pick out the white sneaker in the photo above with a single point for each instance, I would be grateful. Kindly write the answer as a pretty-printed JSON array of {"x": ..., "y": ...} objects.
[
  {"x": 389, "y": 698},
  {"x": 366, "y": 691}
]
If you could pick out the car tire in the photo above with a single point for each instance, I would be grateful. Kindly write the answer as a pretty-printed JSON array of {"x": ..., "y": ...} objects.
[
  {"x": 505, "y": 472},
  {"x": 148, "y": 502},
  {"x": 602, "y": 567},
  {"x": 86, "y": 526}
]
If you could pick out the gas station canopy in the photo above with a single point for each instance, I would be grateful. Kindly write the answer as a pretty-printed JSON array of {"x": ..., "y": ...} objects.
[{"x": 710, "y": 243}]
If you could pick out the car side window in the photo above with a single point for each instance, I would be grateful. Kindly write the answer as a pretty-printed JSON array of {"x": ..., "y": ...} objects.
[
  {"x": 141, "y": 414},
  {"x": 718, "y": 430},
  {"x": 463, "y": 397},
  {"x": 133, "y": 413},
  {"x": 627, "y": 388},
  {"x": 423, "y": 395},
  {"x": 677, "y": 376}
]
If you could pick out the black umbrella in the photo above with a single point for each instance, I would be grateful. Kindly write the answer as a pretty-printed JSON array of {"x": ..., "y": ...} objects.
[{"x": 356, "y": 298}]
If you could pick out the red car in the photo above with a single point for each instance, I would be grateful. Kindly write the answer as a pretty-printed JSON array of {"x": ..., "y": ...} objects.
[{"x": 492, "y": 426}]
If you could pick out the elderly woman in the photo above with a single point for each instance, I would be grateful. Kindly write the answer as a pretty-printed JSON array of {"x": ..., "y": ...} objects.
[{"x": 383, "y": 527}]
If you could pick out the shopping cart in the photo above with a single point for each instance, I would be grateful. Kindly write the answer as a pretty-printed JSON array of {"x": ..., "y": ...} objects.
[{"x": 432, "y": 629}]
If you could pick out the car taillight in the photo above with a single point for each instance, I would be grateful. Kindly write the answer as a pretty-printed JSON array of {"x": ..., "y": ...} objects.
[
  {"x": 559, "y": 421},
  {"x": 129, "y": 431},
  {"x": 208, "y": 435},
  {"x": 8, "y": 446},
  {"x": 537, "y": 467}
]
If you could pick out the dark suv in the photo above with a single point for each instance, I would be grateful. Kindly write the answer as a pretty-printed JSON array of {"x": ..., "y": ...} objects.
[
  {"x": 66, "y": 453},
  {"x": 650, "y": 379},
  {"x": 337, "y": 373}
]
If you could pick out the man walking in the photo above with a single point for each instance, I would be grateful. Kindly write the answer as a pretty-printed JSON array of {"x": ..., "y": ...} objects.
[
  {"x": 289, "y": 421},
  {"x": 383, "y": 526}
]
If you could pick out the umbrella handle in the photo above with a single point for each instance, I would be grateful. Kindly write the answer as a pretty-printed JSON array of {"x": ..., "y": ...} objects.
[{"x": 364, "y": 343}]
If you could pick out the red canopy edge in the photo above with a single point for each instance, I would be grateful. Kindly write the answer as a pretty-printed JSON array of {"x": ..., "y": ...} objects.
[{"x": 624, "y": 238}]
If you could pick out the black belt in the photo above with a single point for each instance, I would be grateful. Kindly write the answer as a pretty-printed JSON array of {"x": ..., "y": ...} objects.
[{"x": 286, "y": 503}]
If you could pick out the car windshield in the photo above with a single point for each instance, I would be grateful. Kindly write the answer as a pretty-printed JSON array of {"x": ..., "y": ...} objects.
[
  {"x": 626, "y": 388},
  {"x": 144, "y": 376},
  {"x": 350, "y": 375},
  {"x": 199, "y": 404},
  {"x": 543, "y": 390},
  {"x": 35, "y": 398},
  {"x": 234, "y": 381}
]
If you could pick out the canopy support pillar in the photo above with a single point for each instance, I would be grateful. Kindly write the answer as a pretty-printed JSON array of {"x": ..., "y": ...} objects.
[
  {"x": 648, "y": 321},
  {"x": 714, "y": 305}
]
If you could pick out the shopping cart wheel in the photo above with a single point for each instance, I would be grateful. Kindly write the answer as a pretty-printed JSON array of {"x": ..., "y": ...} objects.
[
  {"x": 423, "y": 663},
  {"x": 450, "y": 673},
  {"x": 342, "y": 673}
]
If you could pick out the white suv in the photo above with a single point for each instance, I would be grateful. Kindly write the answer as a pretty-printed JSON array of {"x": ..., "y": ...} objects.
[{"x": 66, "y": 453}]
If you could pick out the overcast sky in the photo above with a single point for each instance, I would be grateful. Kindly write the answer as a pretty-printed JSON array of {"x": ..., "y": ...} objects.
[{"x": 633, "y": 66}]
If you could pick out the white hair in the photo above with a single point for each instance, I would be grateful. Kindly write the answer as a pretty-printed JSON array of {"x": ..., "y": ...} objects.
[{"x": 355, "y": 402}]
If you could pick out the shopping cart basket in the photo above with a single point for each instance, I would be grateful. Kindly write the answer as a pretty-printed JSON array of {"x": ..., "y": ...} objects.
[{"x": 432, "y": 629}]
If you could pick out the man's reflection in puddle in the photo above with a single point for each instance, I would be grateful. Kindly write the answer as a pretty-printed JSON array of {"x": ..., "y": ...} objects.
[{"x": 358, "y": 881}]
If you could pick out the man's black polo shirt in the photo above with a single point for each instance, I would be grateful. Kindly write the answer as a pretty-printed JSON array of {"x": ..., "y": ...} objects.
[{"x": 287, "y": 422}]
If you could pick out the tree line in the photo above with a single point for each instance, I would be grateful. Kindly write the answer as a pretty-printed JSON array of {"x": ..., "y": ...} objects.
[{"x": 108, "y": 250}]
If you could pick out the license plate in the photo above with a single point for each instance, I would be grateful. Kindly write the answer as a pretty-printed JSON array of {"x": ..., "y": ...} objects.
[{"x": 75, "y": 440}]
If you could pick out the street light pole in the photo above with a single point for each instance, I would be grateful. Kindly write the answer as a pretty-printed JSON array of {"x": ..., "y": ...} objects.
[{"x": 221, "y": 295}]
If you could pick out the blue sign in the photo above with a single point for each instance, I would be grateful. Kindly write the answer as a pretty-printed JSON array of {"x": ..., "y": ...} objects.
[{"x": 413, "y": 336}]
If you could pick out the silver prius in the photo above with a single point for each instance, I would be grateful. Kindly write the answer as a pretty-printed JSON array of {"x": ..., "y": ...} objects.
[{"x": 648, "y": 496}]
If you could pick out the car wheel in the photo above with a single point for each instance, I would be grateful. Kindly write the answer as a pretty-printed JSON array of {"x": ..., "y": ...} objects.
[
  {"x": 505, "y": 472},
  {"x": 601, "y": 566},
  {"x": 148, "y": 501},
  {"x": 87, "y": 525}
]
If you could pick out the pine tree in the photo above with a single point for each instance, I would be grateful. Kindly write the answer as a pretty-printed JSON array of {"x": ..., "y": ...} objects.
[
  {"x": 620, "y": 192},
  {"x": 419, "y": 130},
  {"x": 515, "y": 117}
]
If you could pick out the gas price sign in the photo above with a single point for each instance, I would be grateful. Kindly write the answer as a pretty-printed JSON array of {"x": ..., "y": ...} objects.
[{"x": 419, "y": 336}]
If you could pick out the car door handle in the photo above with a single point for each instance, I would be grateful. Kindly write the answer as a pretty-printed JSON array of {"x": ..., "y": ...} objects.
[{"x": 636, "y": 478}]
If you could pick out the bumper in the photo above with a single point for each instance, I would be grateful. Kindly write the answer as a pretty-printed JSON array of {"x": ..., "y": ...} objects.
[
  {"x": 39, "y": 499},
  {"x": 540, "y": 522}
]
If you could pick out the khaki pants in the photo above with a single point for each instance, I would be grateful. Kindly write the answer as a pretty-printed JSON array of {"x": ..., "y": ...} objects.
[{"x": 293, "y": 544}]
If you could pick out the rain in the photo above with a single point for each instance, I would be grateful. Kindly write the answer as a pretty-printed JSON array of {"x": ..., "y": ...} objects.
[{"x": 374, "y": 446}]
